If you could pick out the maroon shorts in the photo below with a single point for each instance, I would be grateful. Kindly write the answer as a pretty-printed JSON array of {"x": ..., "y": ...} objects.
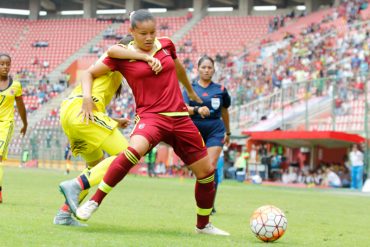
[{"x": 178, "y": 132}]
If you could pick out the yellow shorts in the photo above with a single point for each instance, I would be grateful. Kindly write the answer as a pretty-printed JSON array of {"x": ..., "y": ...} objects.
[
  {"x": 6, "y": 132},
  {"x": 88, "y": 139}
]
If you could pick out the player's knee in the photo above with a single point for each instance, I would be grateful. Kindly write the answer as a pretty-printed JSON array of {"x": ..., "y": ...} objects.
[
  {"x": 131, "y": 155},
  {"x": 202, "y": 168}
]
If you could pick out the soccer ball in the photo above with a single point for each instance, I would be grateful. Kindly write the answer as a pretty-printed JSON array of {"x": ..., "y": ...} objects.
[{"x": 268, "y": 223}]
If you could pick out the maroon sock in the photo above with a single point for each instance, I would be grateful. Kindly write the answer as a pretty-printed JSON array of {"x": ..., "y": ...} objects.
[
  {"x": 204, "y": 196},
  {"x": 117, "y": 171}
]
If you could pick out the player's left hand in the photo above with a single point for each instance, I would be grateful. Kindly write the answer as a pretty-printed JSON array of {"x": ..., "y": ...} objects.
[
  {"x": 194, "y": 97},
  {"x": 123, "y": 122},
  {"x": 24, "y": 130},
  {"x": 155, "y": 64}
]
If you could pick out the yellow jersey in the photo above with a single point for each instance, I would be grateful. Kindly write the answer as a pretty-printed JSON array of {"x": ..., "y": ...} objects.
[
  {"x": 7, "y": 100},
  {"x": 103, "y": 89}
]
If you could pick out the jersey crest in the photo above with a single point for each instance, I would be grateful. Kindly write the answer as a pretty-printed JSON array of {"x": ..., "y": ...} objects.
[{"x": 215, "y": 102}]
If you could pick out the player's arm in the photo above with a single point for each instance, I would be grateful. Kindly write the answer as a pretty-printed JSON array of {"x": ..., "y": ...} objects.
[
  {"x": 122, "y": 52},
  {"x": 183, "y": 78},
  {"x": 226, "y": 120},
  {"x": 22, "y": 113},
  {"x": 88, "y": 77}
]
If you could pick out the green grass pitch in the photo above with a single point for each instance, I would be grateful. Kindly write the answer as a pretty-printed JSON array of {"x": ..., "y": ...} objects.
[{"x": 145, "y": 211}]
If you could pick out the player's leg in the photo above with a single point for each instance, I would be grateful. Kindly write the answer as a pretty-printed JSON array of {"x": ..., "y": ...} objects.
[
  {"x": 97, "y": 167},
  {"x": 68, "y": 166},
  {"x": 204, "y": 195},
  {"x": 213, "y": 154},
  {"x": 353, "y": 177},
  {"x": 1, "y": 178},
  {"x": 190, "y": 147},
  {"x": 118, "y": 169},
  {"x": 6, "y": 132}
]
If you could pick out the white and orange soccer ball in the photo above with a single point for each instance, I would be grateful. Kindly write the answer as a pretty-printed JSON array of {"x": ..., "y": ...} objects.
[{"x": 268, "y": 223}]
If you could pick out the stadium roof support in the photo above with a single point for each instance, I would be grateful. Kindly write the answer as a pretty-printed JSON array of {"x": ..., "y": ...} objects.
[
  {"x": 245, "y": 7},
  {"x": 89, "y": 7},
  {"x": 199, "y": 5},
  {"x": 296, "y": 139},
  {"x": 35, "y": 7},
  {"x": 312, "y": 5},
  {"x": 132, "y": 5}
]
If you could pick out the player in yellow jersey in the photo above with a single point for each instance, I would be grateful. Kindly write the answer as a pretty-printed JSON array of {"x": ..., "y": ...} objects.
[
  {"x": 10, "y": 91},
  {"x": 90, "y": 139}
]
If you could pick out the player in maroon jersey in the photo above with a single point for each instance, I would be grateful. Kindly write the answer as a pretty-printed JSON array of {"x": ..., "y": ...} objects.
[{"x": 161, "y": 116}]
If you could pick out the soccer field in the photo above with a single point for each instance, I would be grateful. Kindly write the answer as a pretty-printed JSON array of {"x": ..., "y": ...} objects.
[{"x": 161, "y": 212}]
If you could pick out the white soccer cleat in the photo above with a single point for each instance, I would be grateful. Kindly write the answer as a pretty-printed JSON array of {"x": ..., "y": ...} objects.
[
  {"x": 65, "y": 218},
  {"x": 211, "y": 230},
  {"x": 85, "y": 211}
]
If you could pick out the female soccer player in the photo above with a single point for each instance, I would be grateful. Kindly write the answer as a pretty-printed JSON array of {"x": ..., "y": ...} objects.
[
  {"x": 161, "y": 116},
  {"x": 90, "y": 140},
  {"x": 10, "y": 91},
  {"x": 207, "y": 116}
]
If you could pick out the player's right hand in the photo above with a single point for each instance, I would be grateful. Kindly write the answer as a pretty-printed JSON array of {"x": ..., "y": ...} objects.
[
  {"x": 87, "y": 109},
  {"x": 155, "y": 64}
]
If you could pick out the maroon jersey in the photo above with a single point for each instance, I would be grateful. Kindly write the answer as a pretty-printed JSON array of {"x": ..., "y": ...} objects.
[{"x": 153, "y": 93}]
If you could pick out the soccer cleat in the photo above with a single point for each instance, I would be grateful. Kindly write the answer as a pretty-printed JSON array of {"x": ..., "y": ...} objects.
[
  {"x": 211, "y": 230},
  {"x": 71, "y": 190},
  {"x": 65, "y": 219},
  {"x": 86, "y": 210}
]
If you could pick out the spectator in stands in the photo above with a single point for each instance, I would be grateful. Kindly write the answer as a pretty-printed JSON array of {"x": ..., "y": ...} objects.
[
  {"x": 331, "y": 179},
  {"x": 240, "y": 165},
  {"x": 35, "y": 61},
  {"x": 189, "y": 15},
  {"x": 10, "y": 94},
  {"x": 38, "y": 43},
  {"x": 164, "y": 26},
  {"x": 212, "y": 116},
  {"x": 109, "y": 33},
  {"x": 345, "y": 176},
  {"x": 356, "y": 158},
  {"x": 45, "y": 64},
  {"x": 68, "y": 157}
]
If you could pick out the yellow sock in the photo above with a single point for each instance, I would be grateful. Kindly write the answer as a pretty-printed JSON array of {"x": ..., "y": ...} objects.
[
  {"x": 96, "y": 174},
  {"x": 1, "y": 174}
]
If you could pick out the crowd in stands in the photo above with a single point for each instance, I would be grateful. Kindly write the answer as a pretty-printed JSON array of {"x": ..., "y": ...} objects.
[
  {"x": 187, "y": 47},
  {"x": 278, "y": 167},
  {"x": 322, "y": 49},
  {"x": 122, "y": 106},
  {"x": 41, "y": 88},
  {"x": 328, "y": 175},
  {"x": 279, "y": 21}
]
